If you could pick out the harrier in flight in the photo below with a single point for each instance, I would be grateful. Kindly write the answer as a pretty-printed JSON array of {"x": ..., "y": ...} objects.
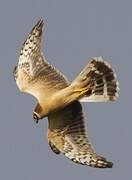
[{"x": 59, "y": 100}]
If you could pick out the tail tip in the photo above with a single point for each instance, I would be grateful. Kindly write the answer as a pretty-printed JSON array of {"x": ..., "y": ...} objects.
[{"x": 40, "y": 23}]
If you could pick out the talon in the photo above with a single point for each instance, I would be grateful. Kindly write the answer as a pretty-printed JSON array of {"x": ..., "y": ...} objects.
[{"x": 82, "y": 90}]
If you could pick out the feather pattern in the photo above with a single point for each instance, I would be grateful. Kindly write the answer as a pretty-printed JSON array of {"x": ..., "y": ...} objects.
[
  {"x": 100, "y": 81},
  {"x": 67, "y": 133},
  {"x": 34, "y": 74}
]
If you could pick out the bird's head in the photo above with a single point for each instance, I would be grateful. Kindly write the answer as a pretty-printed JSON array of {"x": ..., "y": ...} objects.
[
  {"x": 37, "y": 113},
  {"x": 36, "y": 117}
]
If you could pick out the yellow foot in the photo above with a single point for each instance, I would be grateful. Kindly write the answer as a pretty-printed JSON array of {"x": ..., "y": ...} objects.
[{"x": 81, "y": 90}]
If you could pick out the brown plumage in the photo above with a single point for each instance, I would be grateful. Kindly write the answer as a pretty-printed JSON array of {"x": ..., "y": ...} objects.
[{"x": 58, "y": 99}]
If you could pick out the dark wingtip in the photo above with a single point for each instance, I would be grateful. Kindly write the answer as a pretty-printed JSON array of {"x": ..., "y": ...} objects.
[
  {"x": 40, "y": 23},
  {"x": 109, "y": 165},
  {"x": 102, "y": 163},
  {"x": 38, "y": 27},
  {"x": 105, "y": 164}
]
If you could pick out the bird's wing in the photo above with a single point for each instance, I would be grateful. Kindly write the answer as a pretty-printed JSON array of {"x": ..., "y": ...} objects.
[
  {"x": 68, "y": 135},
  {"x": 34, "y": 74}
]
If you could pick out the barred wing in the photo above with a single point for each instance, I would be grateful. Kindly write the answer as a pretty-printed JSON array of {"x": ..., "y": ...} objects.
[
  {"x": 67, "y": 135},
  {"x": 34, "y": 74}
]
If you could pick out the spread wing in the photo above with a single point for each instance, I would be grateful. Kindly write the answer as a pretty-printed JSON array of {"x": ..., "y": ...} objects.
[
  {"x": 67, "y": 134},
  {"x": 34, "y": 74}
]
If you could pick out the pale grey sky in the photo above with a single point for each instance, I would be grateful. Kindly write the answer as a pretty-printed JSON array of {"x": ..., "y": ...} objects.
[{"x": 74, "y": 31}]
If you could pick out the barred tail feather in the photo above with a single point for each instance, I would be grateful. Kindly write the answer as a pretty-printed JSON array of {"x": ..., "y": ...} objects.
[{"x": 97, "y": 82}]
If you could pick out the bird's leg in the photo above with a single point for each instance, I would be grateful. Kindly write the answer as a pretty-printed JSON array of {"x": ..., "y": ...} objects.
[
  {"x": 81, "y": 91},
  {"x": 81, "y": 87}
]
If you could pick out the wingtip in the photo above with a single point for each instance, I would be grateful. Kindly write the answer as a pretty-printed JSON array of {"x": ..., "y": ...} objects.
[
  {"x": 104, "y": 164},
  {"x": 109, "y": 164},
  {"x": 38, "y": 27},
  {"x": 40, "y": 23}
]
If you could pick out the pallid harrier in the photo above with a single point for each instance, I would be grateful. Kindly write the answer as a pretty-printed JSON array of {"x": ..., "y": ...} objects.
[{"x": 58, "y": 99}]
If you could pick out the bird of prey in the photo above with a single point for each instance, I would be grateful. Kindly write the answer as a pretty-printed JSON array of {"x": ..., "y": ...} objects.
[{"x": 59, "y": 100}]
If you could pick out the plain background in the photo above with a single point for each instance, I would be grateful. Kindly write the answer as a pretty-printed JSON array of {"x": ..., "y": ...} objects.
[{"x": 74, "y": 32}]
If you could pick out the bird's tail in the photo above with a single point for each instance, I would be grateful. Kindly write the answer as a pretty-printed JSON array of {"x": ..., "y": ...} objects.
[{"x": 97, "y": 82}]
